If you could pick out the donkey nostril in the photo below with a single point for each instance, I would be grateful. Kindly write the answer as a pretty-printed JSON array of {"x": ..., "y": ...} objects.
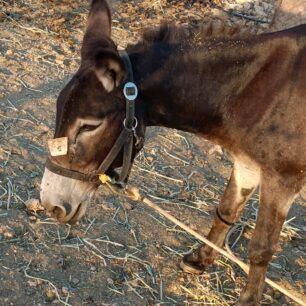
[
  {"x": 59, "y": 212},
  {"x": 67, "y": 207}
]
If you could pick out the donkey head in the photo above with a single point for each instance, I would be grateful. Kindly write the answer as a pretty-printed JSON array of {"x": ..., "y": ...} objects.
[{"x": 90, "y": 114}]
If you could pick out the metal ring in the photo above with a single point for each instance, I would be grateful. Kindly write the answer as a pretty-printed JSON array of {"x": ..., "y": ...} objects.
[{"x": 133, "y": 127}]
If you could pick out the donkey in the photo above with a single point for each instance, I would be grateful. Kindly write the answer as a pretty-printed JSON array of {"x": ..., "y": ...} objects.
[{"x": 246, "y": 94}]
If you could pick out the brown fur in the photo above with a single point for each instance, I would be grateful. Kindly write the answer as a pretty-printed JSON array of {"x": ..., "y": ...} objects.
[{"x": 244, "y": 93}]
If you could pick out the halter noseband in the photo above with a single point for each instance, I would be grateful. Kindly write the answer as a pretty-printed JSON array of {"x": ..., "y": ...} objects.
[{"x": 125, "y": 140}]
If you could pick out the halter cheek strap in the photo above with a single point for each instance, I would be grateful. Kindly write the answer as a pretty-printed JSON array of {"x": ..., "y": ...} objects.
[{"x": 126, "y": 138}]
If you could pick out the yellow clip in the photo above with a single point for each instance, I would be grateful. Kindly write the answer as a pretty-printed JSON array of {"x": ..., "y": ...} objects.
[{"x": 104, "y": 179}]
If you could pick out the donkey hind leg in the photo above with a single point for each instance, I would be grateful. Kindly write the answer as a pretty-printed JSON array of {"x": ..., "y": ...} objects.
[
  {"x": 276, "y": 196},
  {"x": 244, "y": 180}
]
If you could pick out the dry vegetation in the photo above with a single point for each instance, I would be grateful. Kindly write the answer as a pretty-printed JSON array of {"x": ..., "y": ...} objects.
[{"x": 121, "y": 253}]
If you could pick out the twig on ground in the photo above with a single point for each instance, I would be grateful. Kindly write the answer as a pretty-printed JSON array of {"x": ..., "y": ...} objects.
[
  {"x": 176, "y": 157},
  {"x": 18, "y": 119},
  {"x": 175, "y": 203},
  {"x": 89, "y": 226},
  {"x": 9, "y": 195},
  {"x": 96, "y": 249},
  {"x": 132, "y": 289},
  {"x": 161, "y": 295},
  {"x": 159, "y": 175},
  {"x": 235, "y": 228},
  {"x": 27, "y": 87},
  {"x": 46, "y": 281}
]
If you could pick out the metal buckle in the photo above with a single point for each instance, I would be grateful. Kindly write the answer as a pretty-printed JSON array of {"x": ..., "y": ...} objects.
[{"x": 130, "y": 91}]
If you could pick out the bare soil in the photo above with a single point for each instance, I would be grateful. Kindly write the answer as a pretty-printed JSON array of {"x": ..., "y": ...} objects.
[{"x": 121, "y": 253}]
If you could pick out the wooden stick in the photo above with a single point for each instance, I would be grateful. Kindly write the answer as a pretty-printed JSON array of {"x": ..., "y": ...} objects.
[{"x": 240, "y": 263}]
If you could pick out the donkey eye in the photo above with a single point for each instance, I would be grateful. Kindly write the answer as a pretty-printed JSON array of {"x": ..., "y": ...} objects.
[{"x": 87, "y": 128}]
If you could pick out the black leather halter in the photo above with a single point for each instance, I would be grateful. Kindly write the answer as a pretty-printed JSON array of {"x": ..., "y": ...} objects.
[{"x": 124, "y": 142}]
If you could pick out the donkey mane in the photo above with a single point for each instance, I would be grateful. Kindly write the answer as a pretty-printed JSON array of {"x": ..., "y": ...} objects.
[{"x": 172, "y": 33}]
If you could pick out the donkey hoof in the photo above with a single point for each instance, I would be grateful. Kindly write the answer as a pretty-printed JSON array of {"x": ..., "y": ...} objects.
[
  {"x": 191, "y": 267},
  {"x": 249, "y": 300}
]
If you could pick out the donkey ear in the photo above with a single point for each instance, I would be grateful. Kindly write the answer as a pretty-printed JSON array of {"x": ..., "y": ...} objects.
[
  {"x": 109, "y": 69},
  {"x": 99, "y": 20}
]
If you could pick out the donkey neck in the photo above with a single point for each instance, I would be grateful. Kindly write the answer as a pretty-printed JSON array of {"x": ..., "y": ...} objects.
[{"x": 186, "y": 87}]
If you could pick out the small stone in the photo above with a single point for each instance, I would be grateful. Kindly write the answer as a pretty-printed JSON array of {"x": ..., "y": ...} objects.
[
  {"x": 108, "y": 207},
  {"x": 266, "y": 6},
  {"x": 127, "y": 206},
  {"x": 93, "y": 268},
  {"x": 9, "y": 52},
  {"x": 110, "y": 281},
  {"x": 193, "y": 226},
  {"x": 246, "y": 7},
  {"x": 189, "y": 154},
  {"x": 9, "y": 234},
  {"x": 50, "y": 294},
  {"x": 215, "y": 149},
  {"x": 75, "y": 281},
  {"x": 150, "y": 159},
  {"x": 2, "y": 16},
  {"x": 259, "y": 11},
  {"x": 44, "y": 128},
  {"x": 33, "y": 205},
  {"x": 32, "y": 283},
  {"x": 65, "y": 290},
  {"x": 59, "y": 62},
  {"x": 32, "y": 218},
  {"x": 277, "y": 295}
]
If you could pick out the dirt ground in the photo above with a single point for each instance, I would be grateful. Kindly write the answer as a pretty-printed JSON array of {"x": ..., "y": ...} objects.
[{"x": 121, "y": 253}]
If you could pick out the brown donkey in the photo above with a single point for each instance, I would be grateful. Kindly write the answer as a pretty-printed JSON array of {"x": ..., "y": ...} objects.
[{"x": 246, "y": 94}]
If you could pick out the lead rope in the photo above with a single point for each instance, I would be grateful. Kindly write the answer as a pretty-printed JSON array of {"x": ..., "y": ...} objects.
[{"x": 134, "y": 194}]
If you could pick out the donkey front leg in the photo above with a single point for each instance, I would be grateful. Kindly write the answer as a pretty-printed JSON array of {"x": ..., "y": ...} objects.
[
  {"x": 244, "y": 180},
  {"x": 275, "y": 200}
]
